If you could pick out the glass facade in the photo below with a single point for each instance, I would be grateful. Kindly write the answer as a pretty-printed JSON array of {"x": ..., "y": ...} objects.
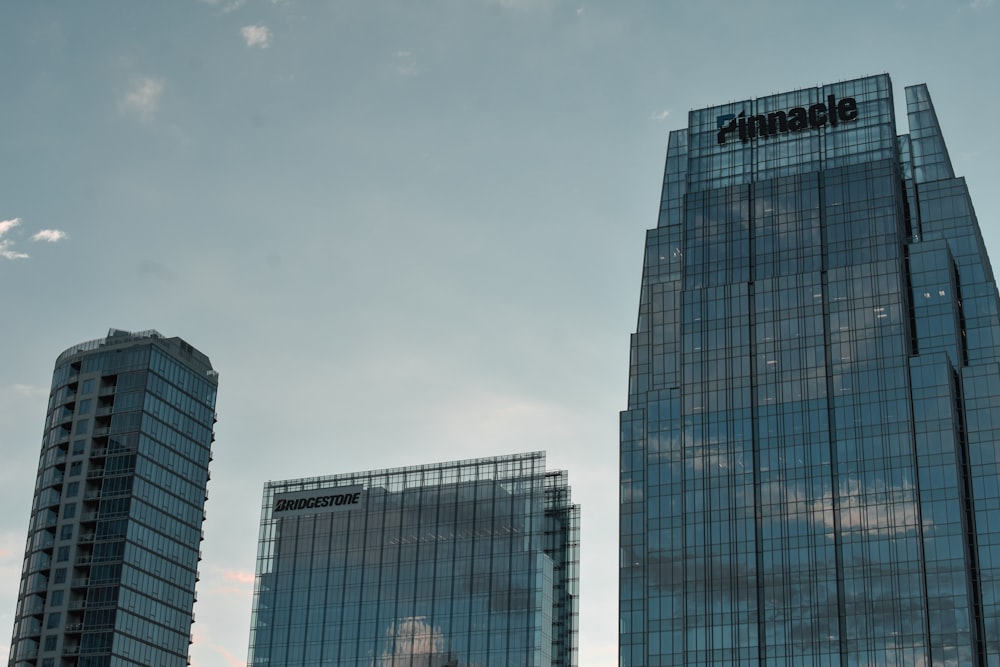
[
  {"x": 113, "y": 541},
  {"x": 464, "y": 564},
  {"x": 809, "y": 458}
]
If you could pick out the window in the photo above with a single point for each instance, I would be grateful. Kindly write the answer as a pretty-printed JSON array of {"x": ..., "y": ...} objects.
[
  {"x": 66, "y": 532},
  {"x": 83, "y": 426},
  {"x": 72, "y": 489},
  {"x": 78, "y": 447},
  {"x": 62, "y": 554},
  {"x": 59, "y": 576},
  {"x": 75, "y": 468},
  {"x": 69, "y": 510},
  {"x": 87, "y": 386},
  {"x": 50, "y": 642},
  {"x": 55, "y": 618},
  {"x": 56, "y": 599},
  {"x": 84, "y": 407}
]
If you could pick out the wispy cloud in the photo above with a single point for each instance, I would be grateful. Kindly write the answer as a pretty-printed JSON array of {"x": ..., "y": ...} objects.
[
  {"x": 523, "y": 5},
  {"x": 29, "y": 390},
  {"x": 231, "y": 590},
  {"x": 49, "y": 235},
  {"x": 7, "y": 225},
  {"x": 660, "y": 116},
  {"x": 239, "y": 576},
  {"x": 199, "y": 639},
  {"x": 148, "y": 267},
  {"x": 226, "y": 6},
  {"x": 6, "y": 251},
  {"x": 7, "y": 245},
  {"x": 405, "y": 64},
  {"x": 222, "y": 582},
  {"x": 981, "y": 4},
  {"x": 256, "y": 35},
  {"x": 143, "y": 99}
]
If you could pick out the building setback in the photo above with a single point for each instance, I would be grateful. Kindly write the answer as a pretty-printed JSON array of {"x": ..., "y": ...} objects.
[
  {"x": 469, "y": 563},
  {"x": 809, "y": 458},
  {"x": 113, "y": 541}
]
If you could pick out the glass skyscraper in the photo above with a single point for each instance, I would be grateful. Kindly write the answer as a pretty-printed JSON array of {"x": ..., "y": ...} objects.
[
  {"x": 113, "y": 540},
  {"x": 809, "y": 458},
  {"x": 464, "y": 564}
]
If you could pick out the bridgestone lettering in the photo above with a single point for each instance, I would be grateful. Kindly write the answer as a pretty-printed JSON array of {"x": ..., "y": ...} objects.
[
  {"x": 321, "y": 501},
  {"x": 317, "y": 501},
  {"x": 748, "y": 128}
]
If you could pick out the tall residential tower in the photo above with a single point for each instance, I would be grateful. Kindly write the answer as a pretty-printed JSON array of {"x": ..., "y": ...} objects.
[
  {"x": 809, "y": 458},
  {"x": 462, "y": 564},
  {"x": 113, "y": 541}
]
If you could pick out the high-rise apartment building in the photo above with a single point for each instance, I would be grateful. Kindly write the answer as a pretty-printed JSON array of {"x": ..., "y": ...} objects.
[
  {"x": 470, "y": 563},
  {"x": 113, "y": 541},
  {"x": 809, "y": 458}
]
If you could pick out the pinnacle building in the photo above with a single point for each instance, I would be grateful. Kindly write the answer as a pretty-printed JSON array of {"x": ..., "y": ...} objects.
[
  {"x": 462, "y": 564},
  {"x": 114, "y": 536},
  {"x": 809, "y": 458}
]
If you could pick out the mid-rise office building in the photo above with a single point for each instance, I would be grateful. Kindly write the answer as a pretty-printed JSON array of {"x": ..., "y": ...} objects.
[
  {"x": 114, "y": 536},
  {"x": 809, "y": 458},
  {"x": 470, "y": 563}
]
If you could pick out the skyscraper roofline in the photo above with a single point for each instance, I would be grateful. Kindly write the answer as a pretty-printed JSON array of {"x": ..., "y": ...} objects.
[{"x": 120, "y": 337}]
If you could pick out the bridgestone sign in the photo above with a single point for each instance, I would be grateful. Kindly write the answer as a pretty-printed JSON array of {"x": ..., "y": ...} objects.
[{"x": 317, "y": 501}]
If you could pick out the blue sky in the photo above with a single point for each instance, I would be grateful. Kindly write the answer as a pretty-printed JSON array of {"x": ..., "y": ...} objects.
[{"x": 403, "y": 231}]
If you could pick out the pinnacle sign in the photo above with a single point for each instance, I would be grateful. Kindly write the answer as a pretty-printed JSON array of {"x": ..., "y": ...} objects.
[{"x": 796, "y": 119}]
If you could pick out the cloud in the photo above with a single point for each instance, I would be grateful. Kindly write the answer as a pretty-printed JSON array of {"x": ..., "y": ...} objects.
[
  {"x": 7, "y": 245},
  {"x": 6, "y": 251},
  {"x": 501, "y": 422},
  {"x": 49, "y": 235},
  {"x": 239, "y": 576},
  {"x": 256, "y": 35},
  {"x": 7, "y": 225},
  {"x": 30, "y": 390},
  {"x": 227, "y": 7},
  {"x": 144, "y": 98},
  {"x": 228, "y": 583},
  {"x": 523, "y": 5},
  {"x": 660, "y": 116},
  {"x": 148, "y": 267},
  {"x": 199, "y": 639},
  {"x": 405, "y": 64}
]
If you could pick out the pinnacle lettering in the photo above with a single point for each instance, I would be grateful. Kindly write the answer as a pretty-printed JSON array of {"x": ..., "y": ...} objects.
[
  {"x": 847, "y": 109},
  {"x": 817, "y": 115},
  {"x": 725, "y": 128},
  {"x": 796, "y": 119},
  {"x": 777, "y": 122},
  {"x": 756, "y": 126}
]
